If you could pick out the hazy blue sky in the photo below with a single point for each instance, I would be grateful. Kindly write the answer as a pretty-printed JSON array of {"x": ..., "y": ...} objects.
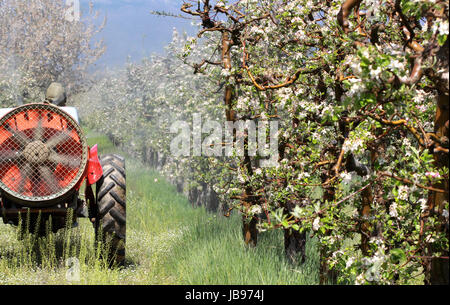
[{"x": 132, "y": 31}]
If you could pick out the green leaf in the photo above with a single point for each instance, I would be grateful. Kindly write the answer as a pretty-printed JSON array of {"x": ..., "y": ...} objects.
[
  {"x": 442, "y": 39},
  {"x": 397, "y": 256}
]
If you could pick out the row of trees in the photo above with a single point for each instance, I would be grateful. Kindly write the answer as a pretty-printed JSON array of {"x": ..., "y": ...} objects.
[
  {"x": 136, "y": 107},
  {"x": 360, "y": 90},
  {"x": 41, "y": 43}
]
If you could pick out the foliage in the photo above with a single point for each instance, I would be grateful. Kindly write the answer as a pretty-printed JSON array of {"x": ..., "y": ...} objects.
[
  {"x": 137, "y": 105},
  {"x": 360, "y": 89},
  {"x": 39, "y": 45},
  {"x": 356, "y": 86}
]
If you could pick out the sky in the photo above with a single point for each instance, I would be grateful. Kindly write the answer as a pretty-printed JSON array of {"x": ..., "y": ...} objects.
[{"x": 132, "y": 31}]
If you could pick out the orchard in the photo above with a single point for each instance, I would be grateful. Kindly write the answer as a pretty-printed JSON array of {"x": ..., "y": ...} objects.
[{"x": 360, "y": 92}]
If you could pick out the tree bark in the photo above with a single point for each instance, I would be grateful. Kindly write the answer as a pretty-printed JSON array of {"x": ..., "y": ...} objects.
[
  {"x": 226, "y": 61},
  {"x": 294, "y": 241},
  {"x": 437, "y": 270},
  {"x": 294, "y": 246},
  {"x": 249, "y": 229},
  {"x": 325, "y": 274}
]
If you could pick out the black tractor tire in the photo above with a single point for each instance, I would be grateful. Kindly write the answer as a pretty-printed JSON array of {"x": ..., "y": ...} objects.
[{"x": 110, "y": 223}]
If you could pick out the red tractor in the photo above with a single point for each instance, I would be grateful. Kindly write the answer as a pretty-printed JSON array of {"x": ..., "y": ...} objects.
[{"x": 44, "y": 161}]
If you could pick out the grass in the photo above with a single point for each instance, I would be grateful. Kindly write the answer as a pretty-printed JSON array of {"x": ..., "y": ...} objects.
[{"x": 168, "y": 242}]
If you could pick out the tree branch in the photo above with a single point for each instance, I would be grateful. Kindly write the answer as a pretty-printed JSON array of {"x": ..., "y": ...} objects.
[{"x": 344, "y": 12}]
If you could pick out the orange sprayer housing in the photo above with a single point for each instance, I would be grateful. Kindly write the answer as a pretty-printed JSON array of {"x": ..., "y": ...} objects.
[{"x": 43, "y": 155}]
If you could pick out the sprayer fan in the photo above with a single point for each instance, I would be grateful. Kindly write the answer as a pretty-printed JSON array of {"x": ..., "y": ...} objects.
[{"x": 43, "y": 153}]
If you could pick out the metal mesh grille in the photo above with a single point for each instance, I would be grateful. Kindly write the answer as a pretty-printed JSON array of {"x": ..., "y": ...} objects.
[{"x": 43, "y": 153}]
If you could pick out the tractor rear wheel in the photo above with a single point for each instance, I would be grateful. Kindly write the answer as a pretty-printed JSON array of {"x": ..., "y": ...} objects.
[{"x": 110, "y": 224}]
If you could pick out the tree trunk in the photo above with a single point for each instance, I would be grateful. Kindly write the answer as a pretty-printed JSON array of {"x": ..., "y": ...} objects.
[
  {"x": 366, "y": 230},
  {"x": 295, "y": 246},
  {"x": 437, "y": 270},
  {"x": 325, "y": 274},
  {"x": 250, "y": 231},
  {"x": 226, "y": 61},
  {"x": 294, "y": 241}
]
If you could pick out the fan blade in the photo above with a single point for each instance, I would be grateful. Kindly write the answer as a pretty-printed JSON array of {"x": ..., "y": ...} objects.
[
  {"x": 19, "y": 135},
  {"x": 48, "y": 177},
  {"x": 64, "y": 160},
  {"x": 39, "y": 131},
  {"x": 9, "y": 156},
  {"x": 60, "y": 138},
  {"x": 25, "y": 172}
]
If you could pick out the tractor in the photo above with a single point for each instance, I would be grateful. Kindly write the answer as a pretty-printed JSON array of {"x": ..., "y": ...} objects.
[{"x": 45, "y": 161}]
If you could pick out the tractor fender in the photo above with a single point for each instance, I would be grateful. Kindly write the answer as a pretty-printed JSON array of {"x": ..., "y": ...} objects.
[{"x": 94, "y": 168}]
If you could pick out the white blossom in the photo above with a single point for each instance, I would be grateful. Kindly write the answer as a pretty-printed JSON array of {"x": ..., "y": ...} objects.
[
  {"x": 353, "y": 145},
  {"x": 403, "y": 192},
  {"x": 303, "y": 175},
  {"x": 445, "y": 214},
  {"x": 396, "y": 65},
  {"x": 255, "y": 209},
  {"x": 441, "y": 27},
  {"x": 349, "y": 262},
  {"x": 316, "y": 224},
  {"x": 433, "y": 174},
  {"x": 360, "y": 279},
  {"x": 375, "y": 73},
  {"x": 393, "y": 210},
  {"x": 346, "y": 177},
  {"x": 423, "y": 205},
  {"x": 357, "y": 87}
]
